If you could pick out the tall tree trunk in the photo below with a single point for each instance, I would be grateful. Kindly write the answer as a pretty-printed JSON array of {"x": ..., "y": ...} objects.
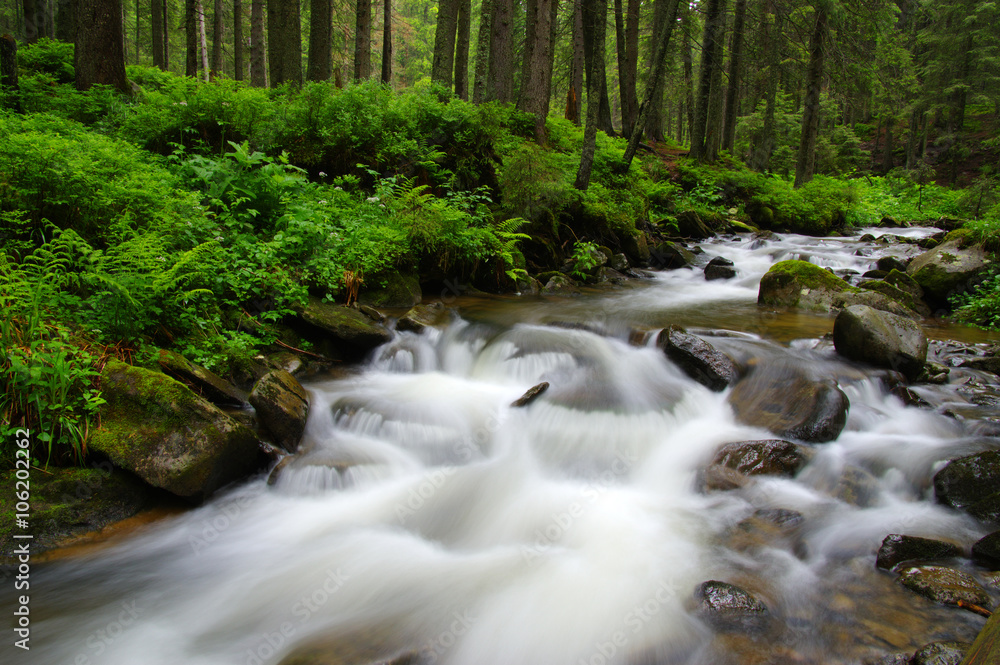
[
  {"x": 8, "y": 74},
  {"x": 157, "y": 33},
  {"x": 574, "y": 97},
  {"x": 386, "y": 41},
  {"x": 363, "y": 41},
  {"x": 501, "y": 71},
  {"x": 66, "y": 20},
  {"x": 653, "y": 83},
  {"x": 218, "y": 37},
  {"x": 138, "y": 28},
  {"x": 320, "y": 40},
  {"x": 805, "y": 165},
  {"x": 590, "y": 24},
  {"x": 537, "y": 77},
  {"x": 653, "y": 125},
  {"x": 735, "y": 78},
  {"x": 99, "y": 56},
  {"x": 888, "y": 147},
  {"x": 239, "y": 68},
  {"x": 913, "y": 138},
  {"x": 712, "y": 34},
  {"x": 764, "y": 142},
  {"x": 443, "y": 66},
  {"x": 479, "y": 88},
  {"x": 34, "y": 20},
  {"x": 284, "y": 30},
  {"x": 258, "y": 67},
  {"x": 462, "y": 46},
  {"x": 202, "y": 38},
  {"x": 595, "y": 20},
  {"x": 627, "y": 38},
  {"x": 190, "y": 38},
  {"x": 713, "y": 128}
]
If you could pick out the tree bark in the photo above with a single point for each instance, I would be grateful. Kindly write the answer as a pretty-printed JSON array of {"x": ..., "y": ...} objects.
[
  {"x": 386, "y": 41},
  {"x": 443, "y": 66},
  {"x": 627, "y": 36},
  {"x": 218, "y": 37},
  {"x": 712, "y": 35},
  {"x": 764, "y": 143},
  {"x": 258, "y": 68},
  {"x": 537, "y": 77},
  {"x": 662, "y": 46},
  {"x": 8, "y": 73},
  {"x": 888, "y": 147},
  {"x": 462, "y": 49},
  {"x": 575, "y": 95},
  {"x": 239, "y": 69},
  {"x": 320, "y": 41},
  {"x": 157, "y": 33},
  {"x": 480, "y": 87},
  {"x": 501, "y": 70},
  {"x": 190, "y": 38},
  {"x": 284, "y": 29},
  {"x": 594, "y": 13},
  {"x": 363, "y": 41},
  {"x": 202, "y": 38},
  {"x": 100, "y": 49},
  {"x": 805, "y": 165},
  {"x": 65, "y": 20},
  {"x": 36, "y": 23},
  {"x": 591, "y": 65},
  {"x": 713, "y": 128},
  {"x": 735, "y": 78}
]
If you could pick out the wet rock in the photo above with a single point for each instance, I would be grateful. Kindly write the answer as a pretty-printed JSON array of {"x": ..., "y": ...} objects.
[
  {"x": 282, "y": 406},
  {"x": 287, "y": 361},
  {"x": 880, "y": 338},
  {"x": 606, "y": 275},
  {"x": 70, "y": 502},
  {"x": 771, "y": 457},
  {"x": 946, "y": 269},
  {"x": 934, "y": 373},
  {"x": 780, "y": 398},
  {"x": 205, "y": 382},
  {"x": 698, "y": 359},
  {"x": 856, "y": 486},
  {"x": 720, "y": 268},
  {"x": 874, "y": 274},
  {"x": 890, "y": 263},
  {"x": 560, "y": 285},
  {"x": 158, "y": 429},
  {"x": 636, "y": 248},
  {"x": 985, "y": 364},
  {"x": 986, "y": 551},
  {"x": 899, "y": 295},
  {"x": 986, "y": 649},
  {"x": 803, "y": 285},
  {"x": 897, "y": 548},
  {"x": 891, "y": 659},
  {"x": 944, "y": 585},
  {"x": 430, "y": 315},
  {"x": 619, "y": 262},
  {"x": 905, "y": 283},
  {"x": 782, "y": 517},
  {"x": 691, "y": 225},
  {"x": 531, "y": 395},
  {"x": 940, "y": 653},
  {"x": 728, "y": 607},
  {"x": 670, "y": 256},
  {"x": 972, "y": 484},
  {"x": 393, "y": 290},
  {"x": 722, "y": 479},
  {"x": 344, "y": 326},
  {"x": 909, "y": 398}
]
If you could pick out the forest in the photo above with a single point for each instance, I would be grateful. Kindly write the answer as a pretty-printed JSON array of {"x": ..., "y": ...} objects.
[{"x": 187, "y": 175}]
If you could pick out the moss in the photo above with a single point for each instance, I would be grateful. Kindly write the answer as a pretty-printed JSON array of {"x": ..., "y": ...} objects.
[
  {"x": 963, "y": 235},
  {"x": 739, "y": 227},
  {"x": 392, "y": 289},
  {"x": 810, "y": 275}
]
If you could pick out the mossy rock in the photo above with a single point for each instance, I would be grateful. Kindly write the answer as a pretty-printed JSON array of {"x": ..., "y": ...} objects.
[
  {"x": 737, "y": 226},
  {"x": 902, "y": 297},
  {"x": 69, "y": 502},
  {"x": 972, "y": 484},
  {"x": 282, "y": 405},
  {"x": 392, "y": 290},
  {"x": 346, "y": 331},
  {"x": 944, "y": 585},
  {"x": 949, "y": 268},
  {"x": 158, "y": 429},
  {"x": 986, "y": 649},
  {"x": 203, "y": 381}
]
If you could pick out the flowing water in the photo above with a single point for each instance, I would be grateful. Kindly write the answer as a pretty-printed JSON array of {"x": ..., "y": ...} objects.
[{"x": 425, "y": 514}]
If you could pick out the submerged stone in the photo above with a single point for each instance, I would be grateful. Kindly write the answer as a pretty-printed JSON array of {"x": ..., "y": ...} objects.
[
  {"x": 944, "y": 585},
  {"x": 940, "y": 653},
  {"x": 773, "y": 457},
  {"x": 897, "y": 548}
]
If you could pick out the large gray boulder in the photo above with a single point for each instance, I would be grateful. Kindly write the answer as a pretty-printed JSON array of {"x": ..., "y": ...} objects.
[
  {"x": 669, "y": 255},
  {"x": 344, "y": 326},
  {"x": 972, "y": 484},
  {"x": 282, "y": 406},
  {"x": 158, "y": 429},
  {"x": 781, "y": 398},
  {"x": 897, "y": 548},
  {"x": 881, "y": 339},
  {"x": 204, "y": 381},
  {"x": 698, "y": 359},
  {"x": 951, "y": 267}
]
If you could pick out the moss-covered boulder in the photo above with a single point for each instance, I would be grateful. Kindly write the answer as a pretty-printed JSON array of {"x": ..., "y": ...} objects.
[
  {"x": 880, "y": 338},
  {"x": 897, "y": 548},
  {"x": 670, "y": 255},
  {"x": 803, "y": 285},
  {"x": 203, "y": 381},
  {"x": 345, "y": 331},
  {"x": 392, "y": 290},
  {"x": 691, "y": 225},
  {"x": 951, "y": 267},
  {"x": 944, "y": 585},
  {"x": 431, "y": 315},
  {"x": 698, "y": 359},
  {"x": 560, "y": 285},
  {"x": 70, "y": 502},
  {"x": 940, "y": 653},
  {"x": 972, "y": 484},
  {"x": 158, "y": 429},
  {"x": 986, "y": 551},
  {"x": 892, "y": 291},
  {"x": 282, "y": 406},
  {"x": 986, "y": 649},
  {"x": 636, "y": 248},
  {"x": 782, "y": 399}
]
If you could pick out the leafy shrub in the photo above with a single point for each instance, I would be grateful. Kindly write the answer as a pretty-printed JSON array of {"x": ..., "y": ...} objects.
[{"x": 48, "y": 56}]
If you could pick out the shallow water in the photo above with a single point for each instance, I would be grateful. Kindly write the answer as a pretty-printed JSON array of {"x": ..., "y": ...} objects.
[{"x": 425, "y": 513}]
